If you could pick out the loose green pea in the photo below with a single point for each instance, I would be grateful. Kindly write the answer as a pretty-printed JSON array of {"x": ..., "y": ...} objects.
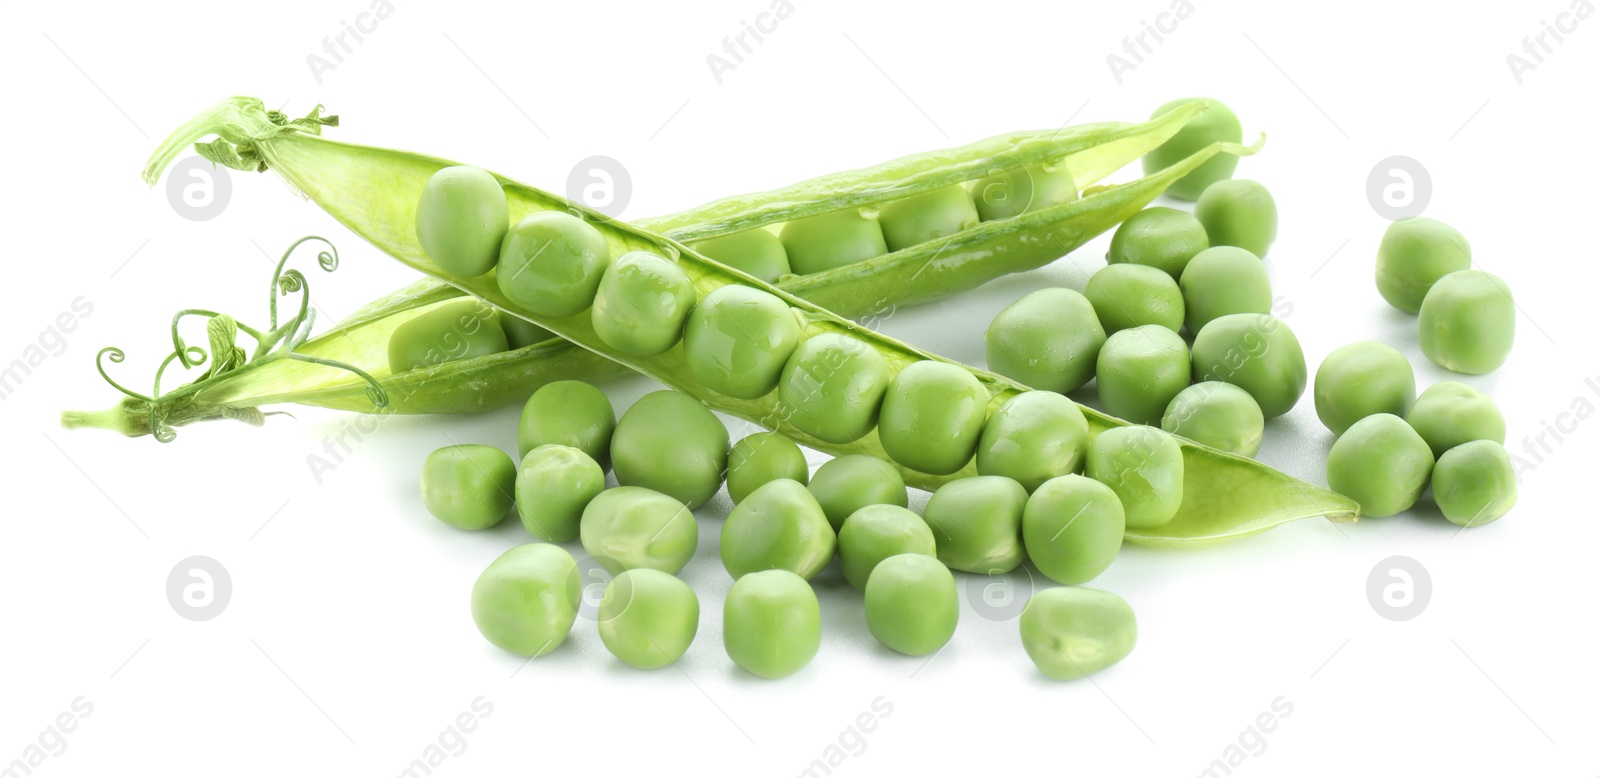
[
  {"x": 1070, "y": 631},
  {"x": 671, "y": 443},
  {"x": 1255, "y": 352},
  {"x": 461, "y": 219},
  {"x": 1128, "y": 296},
  {"x": 1360, "y": 379},
  {"x": 1072, "y": 528},
  {"x": 1221, "y": 281},
  {"x": 1048, "y": 340},
  {"x": 779, "y": 526},
  {"x": 830, "y": 240},
  {"x": 832, "y": 387},
  {"x": 1034, "y": 437},
  {"x": 1218, "y": 415},
  {"x": 1217, "y": 123},
  {"x": 1381, "y": 463},
  {"x": 1144, "y": 466},
  {"x": 977, "y": 523},
  {"x": 525, "y": 601},
  {"x": 551, "y": 264},
  {"x": 932, "y": 416},
  {"x": 911, "y": 604},
  {"x": 846, "y": 484},
  {"x": 642, "y": 303},
  {"x": 568, "y": 413},
  {"x": 762, "y": 457},
  {"x": 1017, "y": 191},
  {"x": 1162, "y": 238},
  {"x": 1450, "y": 413},
  {"x": 1468, "y": 322},
  {"x": 757, "y": 252},
  {"x": 1239, "y": 213},
  {"x": 521, "y": 333},
  {"x": 1139, "y": 372},
  {"x": 738, "y": 340},
  {"x": 936, "y": 213},
  {"x": 448, "y": 333},
  {"x": 771, "y": 623},
  {"x": 876, "y": 533},
  {"x": 648, "y": 618},
  {"x": 468, "y": 486},
  {"x": 1415, "y": 253},
  {"x": 554, "y": 484},
  {"x": 629, "y": 527},
  {"x": 1474, "y": 483}
]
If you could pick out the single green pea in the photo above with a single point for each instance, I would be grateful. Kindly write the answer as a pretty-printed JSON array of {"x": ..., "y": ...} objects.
[
  {"x": 629, "y": 527},
  {"x": 554, "y": 484},
  {"x": 779, "y": 526},
  {"x": 1163, "y": 238},
  {"x": 876, "y": 533},
  {"x": 1223, "y": 280},
  {"x": 762, "y": 457},
  {"x": 1381, "y": 463},
  {"x": 1071, "y": 631},
  {"x": 1218, "y": 415},
  {"x": 525, "y": 601},
  {"x": 1415, "y": 253},
  {"x": 1017, "y": 191},
  {"x": 1468, "y": 322},
  {"x": 461, "y": 219},
  {"x": 1072, "y": 528},
  {"x": 1474, "y": 483},
  {"x": 568, "y": 413},
  {"x": 1360, "y": 379},
  {"x": 911, "y": 604},
  {"x": 648, "y": 618},
  {"x": 641, "y": 304},
  {"x": 977, "y": 523},
  {"x": 936, "y": 213},
  {"x": 1144, "y": 466},
  {"x": 469, "y": 486},
  {"x": 551, "y": 264},
  {"x": 446, "y": 333},
  {"x": 1139, "y": 372},
  {"x": 1255, "y": 352},
  {"x": 671, "y": 443},
  {"x": 757, "y": 252},
  {"x": 1217, "y": 123},
  {"x": 738, "y": 340},
  {"x": 830, "y": 240},
  {"x": 771, "y": 623},
  {"x": 1239, "y": 213},
  {"x": 932, "y": 416},
  {"x": 832, "y": 387},
  {"x": 1048, "y": 340},
  {"x": 1127, "y": 296},
  {"x": 521, "y": 333},
  {"x": 1450, "y": 413},
  {"x": 844, "y": 485},
  {"x": 1034, "y": 437}
]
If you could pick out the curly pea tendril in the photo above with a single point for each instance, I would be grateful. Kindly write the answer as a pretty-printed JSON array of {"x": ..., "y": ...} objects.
[{"x": 226, "y": 355}]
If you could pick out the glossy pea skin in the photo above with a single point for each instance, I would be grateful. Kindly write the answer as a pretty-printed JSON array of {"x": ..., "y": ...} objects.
[
  {"x": 1072, "y": 528},
  {"x": 1381, "y": 463},
  {"x": 1034, "y": 437},
  {"x": 1217, "y": 123},
  {"x": 757, "y": 252},
  {"x": 911, "y": 604},
  {"x": 1220, "y": 281},
  {"x": 1218, "y": 415},
  {"x": 551, "y": 264},
  {"x": 936, "y": 213},
  {"x": 641, "y": 304},
  {"x": 448, "y": 333},
  {"x": 1128, "y": 296},
  {"x": 526, "y": 600},
  {"x": 568, "y": 413},
  {"x": 1255, "y": 352},
  {"x": 844, "y": 485},
  {"x": 830, "y": 240},
  {"x": 932, "y": 416},
  {"x": 1415, "y": 253},
  {"x": 521, "y": 333},
  {"x": 554, "y": 484},
  {"x": 1071, "y": 631},
  {"x": 1468, "y": 322},
  {"x": 977, "y": 524},
  {"x": 762, "y": 457},
  {"x": 1047, "y": 340},
  {"x": 629, "y": 527},
  {"x": 670, "y": 442},
  {"x": 779, "y": 526},
  {"x": 1450, "y": 413},
  {"x": 1017, "y": 191},
  {"x": 1359, "y": 379},
  {"x": 648, "y": 618},
  {"x": 832, "y": 387},
  {"x": 1144, "y": 466},
  {"x": 1474, "y": 483},
  {"x": 1162, "y": 238},
  {"x": 1139, "y": 372},
  {"x": 876, "y": 533},
  {"x": 738, "y": 340},
  {"x": 771, "y": 623},
  {"x": 461, "y": 218},
  {"x": 469, "y": 486},
  {"x": 1239, "y": 213}
]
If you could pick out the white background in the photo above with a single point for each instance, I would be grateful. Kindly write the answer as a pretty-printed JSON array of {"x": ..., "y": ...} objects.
[{"x": 347, "y": 646}]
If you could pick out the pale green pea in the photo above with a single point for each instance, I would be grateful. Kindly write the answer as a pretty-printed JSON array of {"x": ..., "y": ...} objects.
[
  {"x": 1072, "y": 528},
  {"x": 568, "y": 413},
  {"x": 771, "y": 623},
  {"x": 932, "y": 416},
  {"x": 1360, "y": 379},
  {"x": 641, "y": 304},
  {"x": 1239, "y": 213},
  {"x": 1467, "y": 322},
  {"x": 1450, "y": 413},
  {"x": 448, "y": 333},
  {"x": 1381, "y": 463},
  {"x": 1413, "y": 255},
  {"x": 554, "y": 484},
  {"x": 648, "y": 618},
  {"x": 525, "y": 601},
  {"x": 832, "y": 387},
  {"x": 1034, "y": 437},
  {"x": 1223, "y": 280},
  {"x": 1255, "y": 352},
  {"x": 1022, "y": 190},
  {"x": 1139, "y": 372},
  {"x": 468, "y": 486},
  {"x": 461, "y": 219},
  {"x": 738, "y": 340},
  {"x": 977, "y": 523},
  {"x": 876, "y": 533},
  {"x": 521, "y": 333},
  {"x": 1217, "y": 123},
  {"x": 1474, "y": 483},
  {"x": 911, "y": 604},
  {"x": 1128, "y": 296},
  {"x": 671, "y": 443},
  {"x": 629, "y": 527},
  {"x": 757, "y": 252},
  {"x": 762, "y": 457},
  {"x": 779, "y": 526},
  {"x": 830, "y": 240},
  {"x": 844, "y": 485},
  {"x": 1163, "y": 238},
  {"x": 1218, "y": 415},
  {"x": 1144, "y": 466},
  {"x": 936, "y": 213},
  {"x": 551, "y": 263},
  {"x": 1047, "y": 340},
  {"x": 1071, "y": 631}
]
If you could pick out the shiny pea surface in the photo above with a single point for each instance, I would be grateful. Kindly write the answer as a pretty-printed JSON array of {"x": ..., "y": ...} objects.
[
  {"x": 1049, "y": 339},
  {"x": 762, "y": 457},
  {"x": 1034, "y": 437},
  {"x": 1220, "y": 281},
  {"x": 1144, "y": 466},
  {"x": 1257, "y": 353},
  {"x": 911, "y": 604},
  {"x": 1359, "y": 379},
  {"x": 641, "y": 304},
  {"x": 1162, "y": 238},
  {"x": 1451, "y": 413},
  {"x": 1474, "y": 483},
  {"x": 1381, "y": 463},
  {"x": 771, "y": 623},
  {"x": 461, "y": 218},
  {"x": 1072, "y": 528},
  {"x": 757, "y": 252},
  {"x": 469, "y": 486},
  {"x": 1413, "y": 255},
  {"x": 551, "y": 263},
  {"x": 844, "y": 485},
  {"x": 1139, "y": 371},
  {"x": 932, "y": 416},
  {"x": 670, "y": 442},
  {"x": 832, "y": 387},
  {"x": 568, "y": 413},
  {"x": 876, "y": 533},
  {"x": 1218, "y": 415},
  {"x": 450, "y": 332},
  {"x": 1217, "y": 123},
  {"x": 554, "y": 485},
  {"x": 1022, "y": 190},
  {"x": 779, "y": 526},
  {"x": 526, "y": 600},
  {"x": 648, "y": 618},
  {"x": 936, "y": 213},
  {"x": 1128, "y": 296},
  {"x": 1468, "y": 322},
  {"x": 738, "y": 340},
  {"x": 1239, "y": 213},
  {"x": 830, "y": 240},
  {"x": 629, "y": 527},
  {"x": 977, "y": 524}
]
